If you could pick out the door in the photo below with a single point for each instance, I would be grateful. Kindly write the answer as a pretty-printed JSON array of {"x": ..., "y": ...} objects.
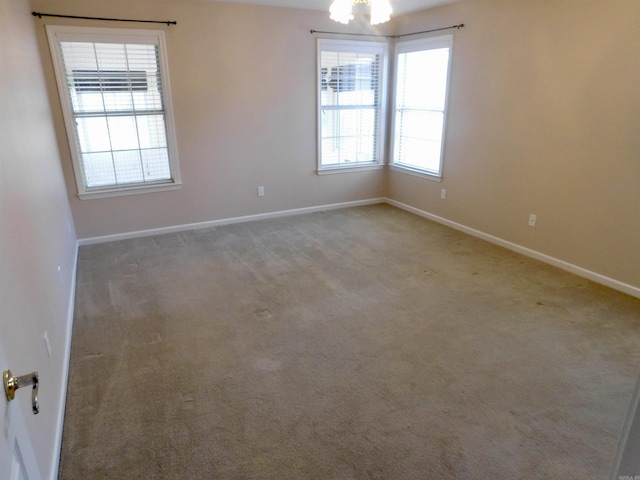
[
  {"x": 17, "y": 459},
  {"x": 627, "y": 460}
]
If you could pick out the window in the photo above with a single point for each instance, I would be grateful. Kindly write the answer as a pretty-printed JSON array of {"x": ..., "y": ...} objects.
[
  {"x": 351, "y": 100},
  {"x": 114, "y": 90},
  {"x": 422, "y": 69}
]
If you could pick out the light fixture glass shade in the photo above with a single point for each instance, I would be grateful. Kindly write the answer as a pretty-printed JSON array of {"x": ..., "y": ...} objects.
[
  {"x": 341, "y": 11},
  {"x": 380, "y": 11}
]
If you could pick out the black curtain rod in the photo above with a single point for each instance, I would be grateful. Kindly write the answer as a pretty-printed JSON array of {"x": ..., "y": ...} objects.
[
  {"x": 458, "y": 27},
  {"x": 40, "y": 15},
  {"x": 391, "y": 36}
]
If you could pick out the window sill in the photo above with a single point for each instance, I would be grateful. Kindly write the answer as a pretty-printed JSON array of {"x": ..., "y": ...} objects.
[
  {"x": 332, "y": 170},
  {"x": 417, "y": 173},
  {"x": 133, "y": 190}
]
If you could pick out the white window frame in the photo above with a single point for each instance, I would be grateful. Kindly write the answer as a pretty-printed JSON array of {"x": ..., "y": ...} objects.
[
  {"x": 429, "y": 43},
  {"x": 354, "y": 46},
  {"x": 59, "y": 33}
]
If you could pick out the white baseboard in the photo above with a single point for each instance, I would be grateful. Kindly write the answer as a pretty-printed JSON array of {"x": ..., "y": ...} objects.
[
  {"x": 582, "y": 272},
  {"x": 57, "y": 450},
  {"x": 226, "y": 221}
]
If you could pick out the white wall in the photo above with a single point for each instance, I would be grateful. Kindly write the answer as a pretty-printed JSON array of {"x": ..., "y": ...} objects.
[
  {"x": 244, "y": 98},
  {"x": 544, "y": 118},
  {"x": 36, "y": 232}
]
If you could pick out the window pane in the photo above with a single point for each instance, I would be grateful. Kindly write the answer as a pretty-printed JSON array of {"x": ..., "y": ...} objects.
[
  {"x": 144, "y": 58},
  {"x": 98, "y": 169},
  {"x": 423, "y": 78},
  {"x": 151, "y": 131},
  {"x": 111, "y": 56},
  {"x": 123, "y": 133},
  {"x": 128, "y": 167},
  {"x": 348, "y": 136},
  {"x": 156, "y": 164},
  {"x": 421, "y": 85},
  {"x": 349, "y": 78},
  {"x": 420, "y": 153},
  {"x": 88, "y": 101},
  {"x": 117, "y": 101},
  {"x": 350, "y": 104},
  {"x": 420, "y": 124},
  {"x": 79, "y": 56},
  {"x": 112, "y": 76},
  {"x": 93, "y": 134}
]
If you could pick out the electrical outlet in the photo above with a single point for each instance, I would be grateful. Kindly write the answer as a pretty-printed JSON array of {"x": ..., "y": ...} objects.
[
  {"x": 443, "y": 193},
  {"x": 532, "y": 219},
  {"x": 261, "y": 191}
]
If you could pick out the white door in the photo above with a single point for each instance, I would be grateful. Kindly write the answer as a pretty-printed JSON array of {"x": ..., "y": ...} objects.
[
  {"x": 17, "y": 460},
  {"x": 627, "y": 460}
]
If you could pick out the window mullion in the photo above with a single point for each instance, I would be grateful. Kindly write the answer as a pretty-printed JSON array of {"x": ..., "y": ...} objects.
[{"x": 135, "y": 115}]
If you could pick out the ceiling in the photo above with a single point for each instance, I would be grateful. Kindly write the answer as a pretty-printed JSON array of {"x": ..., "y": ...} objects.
[{"x": 399, "y": 6}]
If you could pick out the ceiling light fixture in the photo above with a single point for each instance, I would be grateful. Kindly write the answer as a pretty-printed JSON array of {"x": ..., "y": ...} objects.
[{"x": 341, "y": 10}]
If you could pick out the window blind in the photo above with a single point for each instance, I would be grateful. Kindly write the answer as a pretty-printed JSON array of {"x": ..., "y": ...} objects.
[
  {"x": 116, "y": 97},
  {"x": 421, "y": 86},
  {"x": 350, "y": 103}
]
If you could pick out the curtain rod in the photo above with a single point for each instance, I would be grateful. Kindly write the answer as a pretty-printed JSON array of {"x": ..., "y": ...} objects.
[
  {"x": 40, "y": 15},
  {"x": 391, "y": 36}
]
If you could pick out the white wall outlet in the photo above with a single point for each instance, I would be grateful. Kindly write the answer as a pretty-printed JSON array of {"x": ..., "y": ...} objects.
[
  {"x": 261, "y": 191},
  {"x": 532, "y": 219},
  {"x": 443, "y": 193},
  {"x": 47, "y": 343}
]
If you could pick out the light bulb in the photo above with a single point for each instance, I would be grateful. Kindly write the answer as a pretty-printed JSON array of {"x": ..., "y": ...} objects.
[
  {"x": 341, "y": 11},
  {"x": 380, "y": 11}
]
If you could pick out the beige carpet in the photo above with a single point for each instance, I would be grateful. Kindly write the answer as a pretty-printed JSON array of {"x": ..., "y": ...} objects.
[{"x": 363, "y": 343}]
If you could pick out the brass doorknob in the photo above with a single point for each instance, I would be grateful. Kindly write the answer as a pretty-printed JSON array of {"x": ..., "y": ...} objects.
[{"x": 11, "y": 384}]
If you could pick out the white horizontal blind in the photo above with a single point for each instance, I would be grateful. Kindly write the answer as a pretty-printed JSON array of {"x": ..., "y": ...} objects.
[
  {"x": 420, "y": 101},
  {"x": 116, "y": 97},
  {"x": 350, "y": 100}
]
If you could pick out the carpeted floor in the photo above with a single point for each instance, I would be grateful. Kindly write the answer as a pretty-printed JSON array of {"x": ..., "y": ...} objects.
[{"x": 364, "y": 343}]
